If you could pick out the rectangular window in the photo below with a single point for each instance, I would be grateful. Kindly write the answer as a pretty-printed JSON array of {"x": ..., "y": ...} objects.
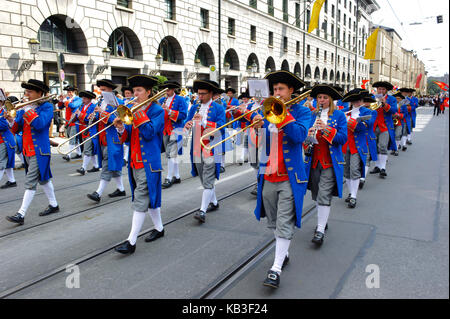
[
  {"x": 339, "y": 15},
  {"x": 325, "y": 29},
  {"x": 338, "y": 36},
  {"x": 253, "y": 4},
  {"x": 270, "y": 8},
  {"x": 332, "y": 11},
  {"x": 325, "y": 56},
  {"x": 297, "y": 15},
  {"x": 332, "y": 33},
  {"x": 345, "y": 19},
  {"x": 204, "y": 18},
  {"x": 339, "y": 59},
  {"x": 252, "y": 33},
  {"x": 170, "y": 9},
  {"x": 231, "y": 24},
  {"x": 297, "y": 47},
  {"x": 308, "y": 51},
  {"x": 123, "y": 3},
  {"x": 285, "y": 44},
  {"x": 285, "y": 10},
  {"x": 308, "y": 17},
  {"x": 271, "y": 38},
  {"x": 332, "y": 58},
  {"x": 345, "y": 3},
  {"x": 326, "y": 6},
  {"x": 371, "y": 68},
  {"x": 317, "y": 53},
  {"x": 343, "y": 62}
]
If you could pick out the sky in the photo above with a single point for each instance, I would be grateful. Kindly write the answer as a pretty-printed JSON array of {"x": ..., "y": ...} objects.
[{"x": 427, "y": 35}]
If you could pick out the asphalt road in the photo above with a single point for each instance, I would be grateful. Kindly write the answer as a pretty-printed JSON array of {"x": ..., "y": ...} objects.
[{"x": 399, "y": 228}]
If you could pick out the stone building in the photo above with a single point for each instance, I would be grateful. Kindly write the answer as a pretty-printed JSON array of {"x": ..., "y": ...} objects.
[{"x": 256, "y": 36}]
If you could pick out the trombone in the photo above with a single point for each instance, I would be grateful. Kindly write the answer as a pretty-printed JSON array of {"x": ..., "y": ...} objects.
[
  {"x": 123, "y": 112},
  {"x": 275, "y": 111},
  {"x": 11, "y": 109}
]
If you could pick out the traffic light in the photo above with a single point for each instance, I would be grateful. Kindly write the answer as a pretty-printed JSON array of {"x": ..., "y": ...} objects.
[{"x": 440, "y": 19}]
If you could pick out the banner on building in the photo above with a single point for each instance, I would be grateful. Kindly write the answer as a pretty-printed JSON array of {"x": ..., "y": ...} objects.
[
  {"x": 371, "y": 45},
  {"x": 314, "y": 22}
]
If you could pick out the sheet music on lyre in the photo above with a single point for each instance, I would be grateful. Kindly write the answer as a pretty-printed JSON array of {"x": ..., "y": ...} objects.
[
  {"x": 259, "y": 89},
  {"x": 109, "y": 98}
]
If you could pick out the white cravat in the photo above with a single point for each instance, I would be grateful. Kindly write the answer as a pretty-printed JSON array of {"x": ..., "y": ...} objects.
[
  {"x": 169, "y": 100},
  {"x": 355, "y": 112},
  {"x": 324, "y": 115},
  {"x": 204, "y": 112}
]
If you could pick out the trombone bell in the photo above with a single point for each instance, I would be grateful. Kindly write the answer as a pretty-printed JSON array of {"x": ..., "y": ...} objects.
[
  {"x": 125, "y": 114},
  {"x": 274, "y": 110}
]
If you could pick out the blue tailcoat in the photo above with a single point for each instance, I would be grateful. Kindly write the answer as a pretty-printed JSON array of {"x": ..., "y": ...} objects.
[
  {"x": 115, "y": 147},
  {"x": 407, "y": 117},
  {"x": 92, "y": 131},
  {"x": 371, "y": 138},
  {"x": 392, "y": 101},
  {"x": 216, "y": 113},
  {"x": 40, "y": 127},
  {"x": 293, "y": 137},
  {"x": 339, "y": 122},
  {"x": 150, "y": 135},
  {"x": 8, "y": 139},
  {"x": 414, "y": 105},
  {"x": 179, "y": 104},
  {"x": 75, "y": 105}
]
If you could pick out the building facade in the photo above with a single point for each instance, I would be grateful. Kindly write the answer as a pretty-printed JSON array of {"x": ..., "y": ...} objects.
[
  {"x": 255, "y": 37},
  {"x": 395, "y": 64}
]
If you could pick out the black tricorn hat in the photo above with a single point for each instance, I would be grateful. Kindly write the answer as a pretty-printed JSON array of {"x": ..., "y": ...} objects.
[
  {"x": 325, "y": 89},
  {"x": 170, "y": 85},
  {"x": 87, "y": 94},
  {"x": 353, "y": 95},
  {"x": 107, "y": 83},
  {"x": 142, "y": 80},
  {"x": 399, "y": 95},
  {"x": 384, "y": 84},
  {"x": 286, "y": 77},
  {"x": 35, "y": 85},
  {"x": 339, "y": 89},
  {"x": 70, "y": 88},
  {"x": 244, "y": 95},
  {"x": 367, "y": 97},
  {"x": 230, "y": 90},
  {"x": 12, "y": 99},
  {"x": 404, "y": 90},
  {"x": 207, "y": 85},
  {"x": 127, "y": 88}
]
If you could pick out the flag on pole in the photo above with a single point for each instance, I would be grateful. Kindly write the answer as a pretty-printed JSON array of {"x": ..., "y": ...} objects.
[
  {"x": 419, "y": 78},
  {"x": 371, "y": 45},
  {"x": 314, "y": 22},
  {"x": 443, "y": 86}
]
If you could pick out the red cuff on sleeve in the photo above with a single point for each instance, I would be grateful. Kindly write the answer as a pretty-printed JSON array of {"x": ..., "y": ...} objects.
[
  {"x": 248, "y": 116},
  {"x": 174, "y": 115},
  {"x": 211, "y": 124},
  {"x": 288, "y": 119},
  {"x": 329, "y": 133},
  {"x": 351, "y": 124},
  {"x": 139, "y": 118},
  {"x": 30, "y": 116}
]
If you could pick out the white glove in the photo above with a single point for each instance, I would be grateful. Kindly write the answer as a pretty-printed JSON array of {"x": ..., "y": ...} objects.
[{"x": 273, "y": 128}]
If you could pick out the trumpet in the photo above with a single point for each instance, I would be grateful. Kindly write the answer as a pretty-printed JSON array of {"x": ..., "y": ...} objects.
[
  {"x": 275, "y": 111},
  {"x": 11, "y": 109},
  {"x": 123, "y": 112}
]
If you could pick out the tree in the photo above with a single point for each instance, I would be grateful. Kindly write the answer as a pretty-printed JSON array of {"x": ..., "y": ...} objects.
[{"x": 432, "y": 88}]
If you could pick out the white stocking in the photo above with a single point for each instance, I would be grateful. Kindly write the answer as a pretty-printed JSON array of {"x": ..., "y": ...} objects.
[
  {"x": 101, "y": 187},
  {"x": 138, "y": 221},
  {"x": 170, "y": 169},
  {"x": 27, "y": 198},
  {"x": 119, "y": 183},
  {"x": 176, "y": 169},
  {"x": 281, "y": 251},
  {"x": 322, "y": 217},
  {"x": 10, "y": 174},
  {"x": 206, "y": 199},
  {"x": 155, "y": 214},
  {"x": 50, "y": 193}
]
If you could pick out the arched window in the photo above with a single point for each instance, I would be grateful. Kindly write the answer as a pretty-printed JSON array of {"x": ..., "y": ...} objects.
[
  {"x": 55, "y": 36},
  {"x": 270, "y": 64},
  {"x": 308, "y": 72},
  {"x": 124, "y": 43},
  {"x": 317, "y": 74},
  {"x": 205, "y": 55},
  {"x": 325, "y": 75},
  {"x": 297, "y": 70},
  {"x": 252, "y": 58},
  {"x": 331, "y": 75},
  {"x": 343, "y": 77},
  {"x": 338, "y": 77},
  {"x": 285, "y": 65},
  {"x": 231, "y": 58},
  {"x": 170, "y": 50}
]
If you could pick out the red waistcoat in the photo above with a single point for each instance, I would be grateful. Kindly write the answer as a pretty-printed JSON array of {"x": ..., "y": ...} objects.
[{"x": 321, "y": 152}]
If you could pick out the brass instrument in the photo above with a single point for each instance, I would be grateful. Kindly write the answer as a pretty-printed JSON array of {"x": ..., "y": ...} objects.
[
  {"x": 123, "y": 112},
  {"x": 183, "y": 92},
  {"x": 11, "y": 109},
  {"x": 275, "y": 111}
]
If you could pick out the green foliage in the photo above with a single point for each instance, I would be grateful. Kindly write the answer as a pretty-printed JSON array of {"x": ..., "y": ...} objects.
[
  {"x": 161, "y": 80},
  {"x": 432, "y": 88}
]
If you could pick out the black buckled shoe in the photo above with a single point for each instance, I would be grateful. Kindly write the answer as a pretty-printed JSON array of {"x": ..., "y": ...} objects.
[
  {"x": 348, "y": 198},
  {"x": 361, "y": 183},
  {"x": 212, "y": 207},
  {"x": 176, "y": 180},
  {"x": 255, "y": 190},
  {"x": 352, "y": 203},
  {"x": 167, "y": 183},
  {"x": 272, "y": 279},
  {"x": 318, "y": 238},
  {"x": 66, "y": 158},
  {"x": 404, "y": 148},
  {"x": 383, "y": 173},
  {"x": 17, "y": 218},
  {"x": 125, "y": 248},
  {"x": 376, "y": 170},
  {"x": 154, "y": 235},
  {"x": 222, "y": 169},
  {"x": 200, "y": 216},
  {"x": 94, "y": 196},
  {"x": 81, "y": 171},
  {"x": 408, "y": 142},
  {"x": 117, "y": 193},
  {"x": 285, "y": 262},
  {"x": 50, "y": 210},
  {"x": 395, "y": 153},
  {"x": 8, "y": 184},
  {"x": 326, "y": 228},
  {"x": 93, "y": 170},
  {"x": 392, "y": 152}
]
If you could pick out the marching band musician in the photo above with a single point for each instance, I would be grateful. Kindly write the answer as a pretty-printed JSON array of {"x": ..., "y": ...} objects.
[
  {"x": 384, "y": 127},
  {"x": 247, "y": 104},
  {"x": 7, "y": 146},
  {"x": 34, "y": 121},
  {"x": 370, "y": 136},
  {"x": 72, "y": 103},
  {"x": 401, "y": 119},
  {"x": 281, "y": 178},
  {"x": 91, "y": 147},
  {"x": 355, "y": 149},
  {"x": 413, "y": 104},
  {"x": 128, "y": 96},
  {"x": 217, "y": 98},
  {"x": 175, "y": 110},
  {"x": 111, "y": 149},
  {"x": 204, "y": 116},
  {"x": 325, "y": 168},
  {"x": 144, "y": 168}
]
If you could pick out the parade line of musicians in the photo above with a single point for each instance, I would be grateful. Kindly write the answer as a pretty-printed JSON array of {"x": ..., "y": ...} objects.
[{"x": 324, "y": 141}]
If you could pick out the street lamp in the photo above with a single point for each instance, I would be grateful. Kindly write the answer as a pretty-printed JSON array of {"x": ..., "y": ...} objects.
[
  {"x": 268, "y": 70},
  {"x": 226, "y": 67},
  {"x": 159, "y": 60},
  {"x": 33, "y": 45},
  {"x": 106, "y": 52},
  {"x": 254, "y": 68},
  {"x": 197, "y": 64}
]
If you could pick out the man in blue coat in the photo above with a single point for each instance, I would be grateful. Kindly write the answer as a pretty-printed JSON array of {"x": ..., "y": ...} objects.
[
  {"x": 110, "y": 152},
  {"x": 203, "y": 118},
  {"x": 144, "y": 167},
  {"x": 384, "y": 126},
  {"x": 175, "y": 112},
  {"x": 7, "y": 147},
  {"x": 72, "y": 104},
  {"x": 34, "y": 120},
  {"x": 281, "y": 177}
]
